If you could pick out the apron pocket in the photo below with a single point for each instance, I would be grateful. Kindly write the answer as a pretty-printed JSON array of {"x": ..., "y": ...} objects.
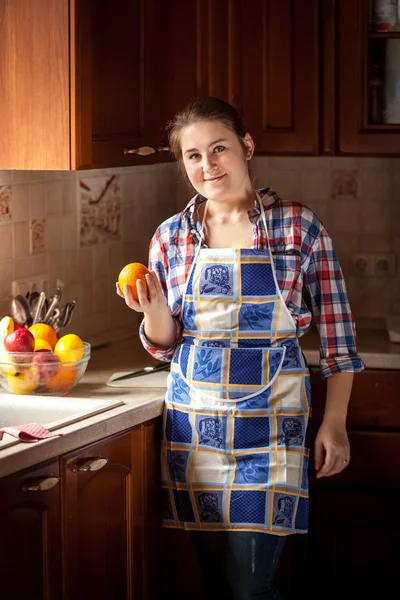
[{"x": 229, "y": 374}]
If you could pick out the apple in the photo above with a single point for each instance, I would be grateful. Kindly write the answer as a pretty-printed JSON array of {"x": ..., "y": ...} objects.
[
  {"x": 20, "y": 340},
  {"x": 44, "y": 365},
  {"x": 16, "y": 326}
]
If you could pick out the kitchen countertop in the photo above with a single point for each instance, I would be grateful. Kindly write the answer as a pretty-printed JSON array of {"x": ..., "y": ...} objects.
[{"x": 143, "y": 404}]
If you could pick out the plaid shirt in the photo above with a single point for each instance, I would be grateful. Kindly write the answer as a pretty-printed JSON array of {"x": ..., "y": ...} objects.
[{"x": 307, "y": 270}]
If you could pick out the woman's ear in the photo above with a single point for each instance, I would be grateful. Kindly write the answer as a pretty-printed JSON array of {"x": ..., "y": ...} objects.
[{"x": 249, "y": 144}]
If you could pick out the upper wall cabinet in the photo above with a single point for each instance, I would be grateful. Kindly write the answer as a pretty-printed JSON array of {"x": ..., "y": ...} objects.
[
  {"x": 278, "y": 84},
  {"x": 34, "y": 85},
  {"x": 368, "y": 77},
  {"x": 88, "y": 84}
]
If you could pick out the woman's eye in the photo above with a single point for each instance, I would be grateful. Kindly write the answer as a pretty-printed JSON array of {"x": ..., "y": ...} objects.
[
  {"x": 194, "y": 156},
  {"x": 219, "y": 148}
]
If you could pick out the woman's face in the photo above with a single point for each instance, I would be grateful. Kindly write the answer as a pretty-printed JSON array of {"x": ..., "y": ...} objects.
[{"x": 215, "y": 161}]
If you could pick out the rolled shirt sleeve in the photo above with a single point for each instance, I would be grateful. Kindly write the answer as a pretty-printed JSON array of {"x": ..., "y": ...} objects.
[
  {"x": 331, "y": 309},
  {"x": 159, "y": 264}
]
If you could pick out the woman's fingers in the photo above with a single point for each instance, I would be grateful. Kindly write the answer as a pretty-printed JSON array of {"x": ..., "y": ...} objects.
[
  {"x": 119, "y": 290},
  {"x": 328, "y": 463},
  {"x": 142, "y": 294},
  {"x": 334, "y": 463},
  {"x": 127, "y": 296},
  {"x": 154, "y": 287},
  {"x": 147, "y": 298}
]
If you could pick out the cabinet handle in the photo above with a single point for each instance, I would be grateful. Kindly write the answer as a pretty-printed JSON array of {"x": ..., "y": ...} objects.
[
  {"x": 145, "y": 150},
  {"x": 91, "y": 464},
  {"x": 41, "y": 485}
]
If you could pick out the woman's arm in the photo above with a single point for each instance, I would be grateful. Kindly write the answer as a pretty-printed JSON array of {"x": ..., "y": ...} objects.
[{"x": 332, "y": 448}]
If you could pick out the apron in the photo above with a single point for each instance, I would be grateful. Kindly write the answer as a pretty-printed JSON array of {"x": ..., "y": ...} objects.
[{"x": 234, "y": 451}]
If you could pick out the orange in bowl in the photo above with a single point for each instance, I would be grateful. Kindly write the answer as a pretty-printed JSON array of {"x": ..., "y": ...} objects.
[
  {"x": 42, "y": 331},
  {"x": 130, "y": 274},
  {"x": 41, "y": 345},
  {"x": 63, "y": 380}
]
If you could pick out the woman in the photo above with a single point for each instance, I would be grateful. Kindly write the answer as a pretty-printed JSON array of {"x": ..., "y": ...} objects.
[{"x": 236, "y": 279}]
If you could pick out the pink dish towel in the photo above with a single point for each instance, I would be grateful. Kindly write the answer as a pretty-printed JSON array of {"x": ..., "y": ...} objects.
[{"x": 32, "y": 432}]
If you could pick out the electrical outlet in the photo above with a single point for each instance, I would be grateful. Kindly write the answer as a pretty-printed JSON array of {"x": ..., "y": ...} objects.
[
  {"x": 34, "y": 283},
  {"x": 362, "y": 264},
  {"x": 384, "y": 265}
]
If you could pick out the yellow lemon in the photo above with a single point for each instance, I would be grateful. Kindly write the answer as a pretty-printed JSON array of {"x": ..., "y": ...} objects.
[
  {"x": 41, "y": 345},
  {"x": 42, "y": 331},
  {"x": 22, "y": 382},
  {"x": 69, "y": 348}
]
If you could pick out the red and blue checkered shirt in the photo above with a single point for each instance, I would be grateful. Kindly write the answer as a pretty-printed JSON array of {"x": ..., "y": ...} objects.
[{"x": 307, "y": 270}]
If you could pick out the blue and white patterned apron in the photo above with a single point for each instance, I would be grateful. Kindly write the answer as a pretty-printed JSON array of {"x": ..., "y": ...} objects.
[{"x": 234, "y": 452}]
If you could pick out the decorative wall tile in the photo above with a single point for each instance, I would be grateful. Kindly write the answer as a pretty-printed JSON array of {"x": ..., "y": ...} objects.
[
  {"x": 38, "y": 235},
  {"x": 344, "y": 184},
  {"x": 5, "y": 203},
  {"x": 100, "y": 206}
]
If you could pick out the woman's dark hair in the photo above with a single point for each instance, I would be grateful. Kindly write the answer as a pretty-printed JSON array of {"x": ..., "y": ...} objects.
[{"x": 204, "y": 109}]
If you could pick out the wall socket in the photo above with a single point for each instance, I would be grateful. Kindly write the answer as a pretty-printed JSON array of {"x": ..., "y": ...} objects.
[
  {"x": 36, "y": 283},
  {"x": 374, "y": 264}
]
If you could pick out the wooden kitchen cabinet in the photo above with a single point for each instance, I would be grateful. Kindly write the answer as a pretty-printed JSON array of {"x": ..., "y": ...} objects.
[
  {"x": 108, "y": 515},
  {"x": 78, "y": 81},
  {"x": 351, "y": 548},
  {"x": 279, "y": 74},
  {"x": 94, "y": 533},
  {"x": 368, "y": 74},
  {"x": 30, "y": 538}
]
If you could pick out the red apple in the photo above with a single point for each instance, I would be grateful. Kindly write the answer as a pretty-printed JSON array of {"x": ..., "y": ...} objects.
[
  {"x": 44, "y": 365},
  {"x": 20, "y": 340},
  {"x": 16, "y": 326}
]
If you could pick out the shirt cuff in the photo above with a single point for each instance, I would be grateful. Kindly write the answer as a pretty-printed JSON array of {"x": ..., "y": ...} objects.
[
  {"x": 340, "y": 364},
  {"x": 164, "y": 354}
]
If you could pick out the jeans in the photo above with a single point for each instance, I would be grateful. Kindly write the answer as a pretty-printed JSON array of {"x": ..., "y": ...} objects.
[{"x": 238, "y": 565}]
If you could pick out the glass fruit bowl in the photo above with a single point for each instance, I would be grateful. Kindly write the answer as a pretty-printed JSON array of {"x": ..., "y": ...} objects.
[{"x": 42, "y": 373}]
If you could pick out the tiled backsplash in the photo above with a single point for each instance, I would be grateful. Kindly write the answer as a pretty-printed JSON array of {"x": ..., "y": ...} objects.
[{"x": 84, "y": 227}]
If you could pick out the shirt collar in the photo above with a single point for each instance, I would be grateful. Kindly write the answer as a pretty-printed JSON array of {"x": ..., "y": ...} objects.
[{"x": 267, "y": 195}]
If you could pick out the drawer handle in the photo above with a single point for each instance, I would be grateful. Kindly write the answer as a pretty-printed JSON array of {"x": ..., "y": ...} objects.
[
  {"x": 91, "y": 464},
  {"x": 145, "y": 150},
  {"x": 41, "y": 485}
]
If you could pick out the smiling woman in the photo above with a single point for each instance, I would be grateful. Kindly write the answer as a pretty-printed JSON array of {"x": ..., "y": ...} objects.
[{"x": 238, "y": 276}]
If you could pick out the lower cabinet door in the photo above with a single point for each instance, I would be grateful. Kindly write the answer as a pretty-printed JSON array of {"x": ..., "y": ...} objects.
[
  {"x": 30, "y": 545},
  {"x": 97, "y": 513}
]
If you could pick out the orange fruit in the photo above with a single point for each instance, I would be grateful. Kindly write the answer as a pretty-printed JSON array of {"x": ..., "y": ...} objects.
[
  {"x": 69, "y": 348},
  {"x": 41, "y": 345},
  {"x": 63, "y": 380},
  {"x": 130, "y": 274},
  {"x": 42, "y": 331}
]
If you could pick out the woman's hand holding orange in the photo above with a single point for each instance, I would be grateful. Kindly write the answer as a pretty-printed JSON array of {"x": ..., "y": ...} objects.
[{"x": 149, "y": 304}]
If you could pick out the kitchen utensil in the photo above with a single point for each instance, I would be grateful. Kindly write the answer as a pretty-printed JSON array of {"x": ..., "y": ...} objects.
[
  {"x": 54, "y": 318},
  {"x": 53, "y": 303},
  {"x": 21, "y": 311},
  {"x": 144, "y": 371},
  {"x": 70, "y": 307},
  {"x": 32, "y": 297},
  {"x": 38, "y": 308}
]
